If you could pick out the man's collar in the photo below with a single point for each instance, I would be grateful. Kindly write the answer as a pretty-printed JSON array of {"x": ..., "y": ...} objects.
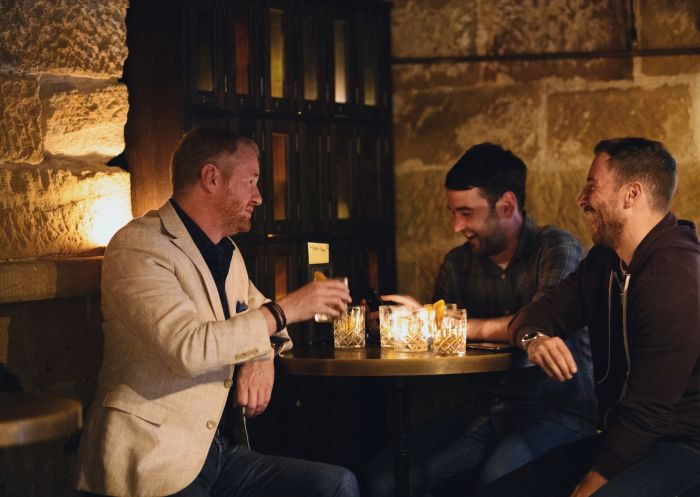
[
  {"x": 199, "y": 237},
  {"x": 527, "y": 238}
]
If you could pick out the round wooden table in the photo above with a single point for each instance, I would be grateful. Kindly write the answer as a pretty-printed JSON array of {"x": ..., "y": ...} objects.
[
  {"x": 374, "y": 361},
  {"x": 26, "y": 418}
]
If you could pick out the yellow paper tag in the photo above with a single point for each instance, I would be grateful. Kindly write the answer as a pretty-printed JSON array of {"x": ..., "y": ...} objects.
[{"x": 319, "y": 253}]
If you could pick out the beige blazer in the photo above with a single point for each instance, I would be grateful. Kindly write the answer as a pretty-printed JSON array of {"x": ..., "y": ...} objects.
[{"x": 168, "y": 359}]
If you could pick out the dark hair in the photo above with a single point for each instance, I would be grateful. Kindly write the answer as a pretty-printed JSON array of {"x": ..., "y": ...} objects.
[
  {"x": 197, "y": 148},
  {"x": 642, "y": 160},
  {"x": 491, "y": 168}
]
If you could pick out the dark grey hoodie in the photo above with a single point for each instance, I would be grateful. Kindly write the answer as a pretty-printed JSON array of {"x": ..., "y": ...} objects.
[{"x": 644, "y": 325}]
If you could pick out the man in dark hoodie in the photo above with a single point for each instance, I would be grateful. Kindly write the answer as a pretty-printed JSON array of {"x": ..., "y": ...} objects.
[{"x": 638, "y": 291}]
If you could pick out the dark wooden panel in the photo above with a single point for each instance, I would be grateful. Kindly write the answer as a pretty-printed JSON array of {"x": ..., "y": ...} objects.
[{"x": 155, "y": 77}]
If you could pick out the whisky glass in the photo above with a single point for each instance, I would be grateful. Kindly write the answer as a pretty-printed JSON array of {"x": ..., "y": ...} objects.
[{"x": 349, "y": 328}]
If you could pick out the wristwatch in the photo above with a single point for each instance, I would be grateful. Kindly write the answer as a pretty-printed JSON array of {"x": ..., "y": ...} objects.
[{"x": 530, "y": 337}]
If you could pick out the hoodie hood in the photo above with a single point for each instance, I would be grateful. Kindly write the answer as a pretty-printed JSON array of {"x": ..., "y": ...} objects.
[{"x": 669, "y": 233}]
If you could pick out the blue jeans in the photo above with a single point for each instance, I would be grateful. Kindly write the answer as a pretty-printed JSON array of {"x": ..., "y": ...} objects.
[
  {"x": 670, "y": 470},
  {"x": 492, "y": 447},
  {"x": 235, "y": 470}
]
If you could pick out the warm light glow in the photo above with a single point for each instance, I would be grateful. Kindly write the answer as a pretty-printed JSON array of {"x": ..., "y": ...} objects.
[
  {"x": 340, "y": 43},
  {"x": 277, "y": 63},
  {"x": 104, "y": 216}
]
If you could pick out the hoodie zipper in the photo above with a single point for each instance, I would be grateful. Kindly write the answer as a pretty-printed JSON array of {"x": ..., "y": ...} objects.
[{"x": 625, "y": 288}]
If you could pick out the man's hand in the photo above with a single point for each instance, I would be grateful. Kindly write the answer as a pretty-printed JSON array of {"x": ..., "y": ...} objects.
[
  {"x": 254, "y": 386},
  {"x": 318, "y": 297},
  {"x": 589, "y": 485},
  {"x": 406, "y": 300},
  {"x": 553, "y": 356}
]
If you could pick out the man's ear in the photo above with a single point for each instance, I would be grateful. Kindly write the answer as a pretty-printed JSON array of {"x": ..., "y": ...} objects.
[
  {"x": 633, "y": 192},
  {"x": 507, "y": 204},
  {"x": 209, "y": 175}
]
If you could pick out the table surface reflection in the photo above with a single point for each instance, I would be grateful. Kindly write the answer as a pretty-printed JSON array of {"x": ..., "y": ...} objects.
[
  {"x": 375, "y": 361},
  {"x": 26, "y": 418}
]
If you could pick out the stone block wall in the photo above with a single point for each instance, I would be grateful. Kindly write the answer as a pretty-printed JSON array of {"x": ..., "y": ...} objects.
[
  {"x": 62, "y": 116},
  {"x": 550, "y": 112}
]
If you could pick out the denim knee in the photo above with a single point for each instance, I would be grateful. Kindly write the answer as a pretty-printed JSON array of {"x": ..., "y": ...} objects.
[
  {"x": 346, "y": 483},
  {"x": 380, "y": 484}
]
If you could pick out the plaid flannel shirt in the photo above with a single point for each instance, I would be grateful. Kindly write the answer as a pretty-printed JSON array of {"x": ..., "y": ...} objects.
[{"x": 543, "y": 258}]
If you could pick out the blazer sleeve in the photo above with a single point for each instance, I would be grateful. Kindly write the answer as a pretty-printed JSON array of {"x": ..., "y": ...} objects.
[{"x": 152, "y": 292}]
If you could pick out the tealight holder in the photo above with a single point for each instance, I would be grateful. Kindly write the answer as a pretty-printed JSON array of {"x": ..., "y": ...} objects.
[{"x": 412, "y": 331}]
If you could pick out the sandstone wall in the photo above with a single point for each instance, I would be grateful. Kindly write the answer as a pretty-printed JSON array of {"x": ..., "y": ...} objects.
[
  {"x": 62, "y": 116},
  {"x": 549, "y": 112}
]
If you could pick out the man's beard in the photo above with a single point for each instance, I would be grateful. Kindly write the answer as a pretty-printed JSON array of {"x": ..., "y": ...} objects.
[
  {"x": 492, "y": 240},
  {"x": 490, "y": 244},
  {"x": 235, "y": 220},
  {"x": 609, "y": 226}
]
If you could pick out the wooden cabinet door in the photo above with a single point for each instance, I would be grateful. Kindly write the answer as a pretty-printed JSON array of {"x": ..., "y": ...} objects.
[
  {"x": 279, "y": 85},
  {"x": 206, "y": 61},
  {"x": 243, "y": 54}
]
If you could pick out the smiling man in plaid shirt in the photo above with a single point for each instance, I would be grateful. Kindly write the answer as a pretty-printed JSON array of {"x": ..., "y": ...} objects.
[{"x": 506, "y": 262}]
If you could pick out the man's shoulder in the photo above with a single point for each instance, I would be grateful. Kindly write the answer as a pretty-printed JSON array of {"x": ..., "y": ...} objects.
[
  {"x": 458, "y": 254},
  {"x": 144, "y": 229},
  {"x": 553, "y": 236}
]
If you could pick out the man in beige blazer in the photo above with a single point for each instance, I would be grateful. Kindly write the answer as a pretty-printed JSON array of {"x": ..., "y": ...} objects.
[{"x": 180, "y": 315}]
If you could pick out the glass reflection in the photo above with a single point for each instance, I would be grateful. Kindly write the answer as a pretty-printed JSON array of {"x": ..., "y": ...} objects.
[
  {"x": 340, "y": 47},
  {"x": 370, "y": 65},
  {"x": 242, "y": 50},
  {"x": 280, "y": 147},
  {"x": 342, "y": 178},
  {"x": 373, "y": 270},
  {"x": 275, "y": 18},
  {"x": 281, "y": 277},
  {"x": 310, "y": 58},
  {"x": 205, "y": 58}
]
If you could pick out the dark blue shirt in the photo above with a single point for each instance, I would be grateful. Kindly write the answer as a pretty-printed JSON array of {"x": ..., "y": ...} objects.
[{"x": 218, "y": 258}]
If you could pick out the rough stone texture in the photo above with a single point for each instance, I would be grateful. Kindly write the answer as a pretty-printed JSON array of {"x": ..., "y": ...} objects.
[
  {"x": 607, "y": 69},
  {"x": 48, "y": 278},
  {"x": 56, "y": 208},
  {"x": 685, "y": 204},
  {"x": 551, "y": 199},
  {"x": 80, "y": 123},
  {"x": 428, "y": 28},
  {"x": 444, "y": 75},
  {"x": 549, "y": 112},
  {"x": 76, "y": 37},
  {"x": 434, "y": 128},
  {"x": 421, "y": 215},
  {"x": 408, "y": 77},
  {"x": 670, "y": 66},
  {"x": 577, "y": 121},
  {"x": 532, "y": 26},
  {"x": 669, "y": 23},
  {"x": 20, "y": 119}
]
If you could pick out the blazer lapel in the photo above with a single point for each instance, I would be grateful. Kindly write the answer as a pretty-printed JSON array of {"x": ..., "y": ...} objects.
[{"x": 182, "y": 239}]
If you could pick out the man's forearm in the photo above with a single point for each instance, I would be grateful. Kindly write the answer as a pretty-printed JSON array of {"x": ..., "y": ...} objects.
[{"x": 494, "y": 329}]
